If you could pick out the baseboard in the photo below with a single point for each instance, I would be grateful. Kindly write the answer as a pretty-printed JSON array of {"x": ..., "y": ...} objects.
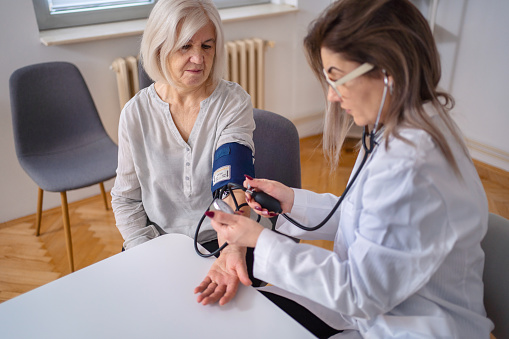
[
  {"x": 309, "y": 125},
  {"x": 488, "y": 154},
  {"x": 313, "y": 125}
]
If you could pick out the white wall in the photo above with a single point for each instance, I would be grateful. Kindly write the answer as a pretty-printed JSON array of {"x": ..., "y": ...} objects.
[
  {"x": 291, "y": 89},
  {"x": 472, "y": 40}
]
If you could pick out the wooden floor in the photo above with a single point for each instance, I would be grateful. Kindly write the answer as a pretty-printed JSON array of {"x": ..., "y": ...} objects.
[{"x": 27, "y": 261}]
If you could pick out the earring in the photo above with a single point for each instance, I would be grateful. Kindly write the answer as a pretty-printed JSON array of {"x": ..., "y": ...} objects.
[{"x": 391, "y": 88}]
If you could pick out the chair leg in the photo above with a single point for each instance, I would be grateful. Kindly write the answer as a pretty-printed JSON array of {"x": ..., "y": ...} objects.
[
  {"x": 67, "y": 229},
  {"x": 103, "y": 192},
  {"x": 38, "y": 215}
]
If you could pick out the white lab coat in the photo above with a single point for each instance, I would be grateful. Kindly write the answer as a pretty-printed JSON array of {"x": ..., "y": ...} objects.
[{"x": 407, "y": 260}]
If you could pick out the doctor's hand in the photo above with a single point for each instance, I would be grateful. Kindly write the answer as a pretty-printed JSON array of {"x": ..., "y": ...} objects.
[
  {"x": 235, "y": 229},
  {"x": 282, "y": 193},
  {"x": 222, "y": 280}
]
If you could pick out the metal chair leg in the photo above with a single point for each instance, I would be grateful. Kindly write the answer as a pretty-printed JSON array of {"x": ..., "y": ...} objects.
[
  {"x": 103, "y": 192},
  {"x": 38, "y": 215},
  {"x": 67, "y": 229}
]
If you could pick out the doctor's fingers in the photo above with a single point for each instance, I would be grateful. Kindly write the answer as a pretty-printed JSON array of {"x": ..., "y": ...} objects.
[
  {"x": 258, "y": 184},
  {"x": 222, "y": 222},
  {"x": 273, "y": 188},
  {"x": 222, "y": 218},
  {"x": 258, "y": 208},
  {"x": 235, "y": 229}
]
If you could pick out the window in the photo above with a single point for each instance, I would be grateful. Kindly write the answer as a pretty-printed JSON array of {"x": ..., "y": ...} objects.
[
  {"x": 53, "y": 14},
  {"x": 237, "y": 3}
]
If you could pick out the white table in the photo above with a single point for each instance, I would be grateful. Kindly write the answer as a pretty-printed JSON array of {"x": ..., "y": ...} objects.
[{"x": 146, "y": 292}]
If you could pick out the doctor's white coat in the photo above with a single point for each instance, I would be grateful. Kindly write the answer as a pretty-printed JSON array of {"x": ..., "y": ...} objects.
[{"x": 407, "y": 260}]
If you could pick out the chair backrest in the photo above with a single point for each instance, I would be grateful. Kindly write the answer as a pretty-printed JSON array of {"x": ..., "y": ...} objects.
[
  {"x": 143, "y": 78},
  {"x": 52, "y": 109},
  {"x": 496, "y": 274},
  {"x": 277, "y": 148}
]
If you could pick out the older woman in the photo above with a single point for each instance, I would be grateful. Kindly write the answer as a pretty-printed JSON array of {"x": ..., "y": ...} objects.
[
  {"x": 169, "y": 132},
  {"x": 407, "y": 260}
]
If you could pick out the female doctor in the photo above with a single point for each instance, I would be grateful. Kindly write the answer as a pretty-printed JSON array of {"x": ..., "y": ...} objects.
[{"x": 407, "y": 260}]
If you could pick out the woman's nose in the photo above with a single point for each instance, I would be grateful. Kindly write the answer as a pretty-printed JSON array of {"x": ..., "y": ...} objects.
[
  {"x": 332, "y": 96},
  {"x": 197, "y": 57}
]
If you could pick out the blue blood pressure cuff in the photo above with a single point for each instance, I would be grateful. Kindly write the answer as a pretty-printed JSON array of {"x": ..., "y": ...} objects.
[{"x": 231, "y": 162}]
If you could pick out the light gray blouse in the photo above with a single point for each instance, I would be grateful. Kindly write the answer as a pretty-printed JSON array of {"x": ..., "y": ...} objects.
[{"x": 163, "y": 184}]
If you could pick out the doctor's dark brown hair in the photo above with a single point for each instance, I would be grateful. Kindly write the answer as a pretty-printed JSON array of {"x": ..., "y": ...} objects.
[{"x": 391, "y": 35}]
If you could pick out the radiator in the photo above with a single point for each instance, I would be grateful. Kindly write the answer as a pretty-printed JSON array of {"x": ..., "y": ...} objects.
[{"x": 245, "y": 66}]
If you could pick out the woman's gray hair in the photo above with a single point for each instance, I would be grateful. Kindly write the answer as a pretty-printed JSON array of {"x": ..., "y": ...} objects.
[{"x": 171, "y": 24}]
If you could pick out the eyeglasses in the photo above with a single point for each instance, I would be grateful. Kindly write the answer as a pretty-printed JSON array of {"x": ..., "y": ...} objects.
[{"x": 362, "y": 69}]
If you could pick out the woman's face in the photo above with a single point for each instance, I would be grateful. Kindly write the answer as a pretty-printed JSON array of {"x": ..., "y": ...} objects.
[
  {"x": 190, "y": 66},
  {"x": 361, "y": 96}
]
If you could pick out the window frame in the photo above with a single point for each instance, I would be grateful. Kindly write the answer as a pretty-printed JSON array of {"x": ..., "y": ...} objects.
[
  {"x": 48, "y": 21},
  {"x": 238, "y": 3}
]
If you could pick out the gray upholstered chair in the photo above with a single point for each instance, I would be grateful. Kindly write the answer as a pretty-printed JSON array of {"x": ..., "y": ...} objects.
[
  {"x": 143, "y": 78},
  {"x": 59, "y": 137},
  {"x": 277, "y": 149},
  {"x": 496, "y": 274}
]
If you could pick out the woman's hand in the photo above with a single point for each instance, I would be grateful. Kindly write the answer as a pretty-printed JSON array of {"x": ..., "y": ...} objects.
[
  {"x": 282, "y": 193},
  {"x": 222, "y": 281}
]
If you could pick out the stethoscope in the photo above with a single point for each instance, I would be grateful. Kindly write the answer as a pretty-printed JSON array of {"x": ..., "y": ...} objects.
[{"x": 272, "y": 204}]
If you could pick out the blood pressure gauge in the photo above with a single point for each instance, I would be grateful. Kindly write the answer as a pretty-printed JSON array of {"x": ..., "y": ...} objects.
[{"x": 222, "y": 206}]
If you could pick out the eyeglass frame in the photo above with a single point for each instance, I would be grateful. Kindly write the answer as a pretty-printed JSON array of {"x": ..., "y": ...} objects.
[{"x": 362, "y": 69}]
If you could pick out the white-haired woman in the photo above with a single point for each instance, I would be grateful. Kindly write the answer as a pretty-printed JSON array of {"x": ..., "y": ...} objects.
[{"x": 170, "y": 131}]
